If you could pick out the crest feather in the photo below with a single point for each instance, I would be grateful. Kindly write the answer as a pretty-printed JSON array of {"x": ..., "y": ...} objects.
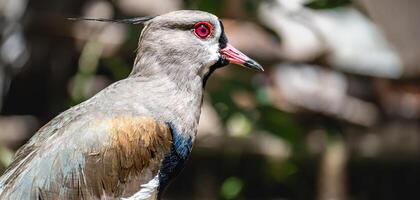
[{"x": 136, "y": 20}]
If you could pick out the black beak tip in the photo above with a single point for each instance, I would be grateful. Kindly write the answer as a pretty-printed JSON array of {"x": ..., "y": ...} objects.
[{"x": 253, "y": 65}]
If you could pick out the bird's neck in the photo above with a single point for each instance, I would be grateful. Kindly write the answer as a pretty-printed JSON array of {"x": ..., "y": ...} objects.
[
  {"x": 176, "y": 99},
  {"x": 177, "y": 82}
]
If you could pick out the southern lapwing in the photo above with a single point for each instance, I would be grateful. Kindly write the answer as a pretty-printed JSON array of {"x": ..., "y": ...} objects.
[{"x": 129, "y": 140}]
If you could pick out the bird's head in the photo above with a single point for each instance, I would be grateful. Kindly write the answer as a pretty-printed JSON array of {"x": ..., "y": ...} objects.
[{"x": 185, "y": 44}]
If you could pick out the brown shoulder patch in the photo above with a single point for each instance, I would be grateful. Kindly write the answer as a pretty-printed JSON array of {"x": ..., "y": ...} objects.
[
  {"x": 138, "y": 144},
  {"x": 139, "y": 139}
]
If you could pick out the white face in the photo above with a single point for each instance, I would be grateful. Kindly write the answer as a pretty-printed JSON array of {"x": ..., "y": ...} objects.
[
  {"x": 208, "y": 33},
  {"x": 211, "y": 44}
]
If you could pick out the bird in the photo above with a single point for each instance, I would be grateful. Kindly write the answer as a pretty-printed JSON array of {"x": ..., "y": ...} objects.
[{"x": 130, "y": 139}]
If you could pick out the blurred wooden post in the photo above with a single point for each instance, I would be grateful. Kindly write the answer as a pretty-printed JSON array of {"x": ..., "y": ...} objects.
[{"x": 332, "y": 177}]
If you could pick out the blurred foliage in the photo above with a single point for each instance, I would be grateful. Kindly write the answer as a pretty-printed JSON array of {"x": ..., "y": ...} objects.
[
  {"x": 282, "y": 171},
  {"x": 214, "y": 6},
  {"x": 6, "y": 156},
  {"x": 231, "y": 188},
  {"x": 327, "y": 4},
  {"x": 281, "y": 124},
  {"x": 222, "y": 8}
]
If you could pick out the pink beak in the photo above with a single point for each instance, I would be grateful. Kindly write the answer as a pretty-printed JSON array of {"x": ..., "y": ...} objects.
[{"x": 234, "y": 56}]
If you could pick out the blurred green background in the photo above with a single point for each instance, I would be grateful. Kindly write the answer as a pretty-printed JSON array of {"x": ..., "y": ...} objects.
[{"x": 334, "y": 116}]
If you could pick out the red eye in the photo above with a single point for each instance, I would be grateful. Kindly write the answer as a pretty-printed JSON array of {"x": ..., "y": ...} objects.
[{"x": 203, "y": 29}]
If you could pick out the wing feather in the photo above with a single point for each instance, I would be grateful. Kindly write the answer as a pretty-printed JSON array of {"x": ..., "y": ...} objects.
[{"x": 88, "y": 158}]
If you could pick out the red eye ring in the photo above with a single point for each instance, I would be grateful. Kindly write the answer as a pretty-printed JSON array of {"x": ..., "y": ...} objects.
[{"x": 203, "y": 29}]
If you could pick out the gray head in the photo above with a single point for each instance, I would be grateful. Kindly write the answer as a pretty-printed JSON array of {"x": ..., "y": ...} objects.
[{"x": 184, "y": 45}]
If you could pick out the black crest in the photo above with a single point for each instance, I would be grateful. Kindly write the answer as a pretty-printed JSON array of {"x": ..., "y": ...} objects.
[{"x": 136, "y": 20}]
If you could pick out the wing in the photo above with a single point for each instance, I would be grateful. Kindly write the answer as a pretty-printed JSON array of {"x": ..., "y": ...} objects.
[{"x": 88, "y": 158}]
